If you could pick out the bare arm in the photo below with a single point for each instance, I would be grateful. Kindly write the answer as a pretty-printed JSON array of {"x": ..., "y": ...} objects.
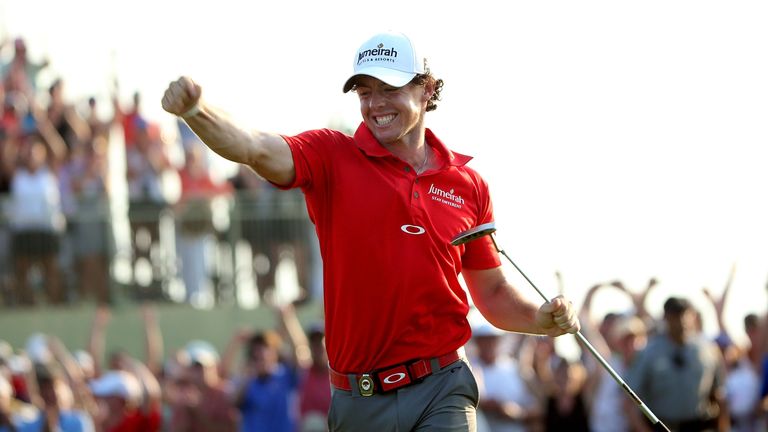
[
  {"x": 97, "y": 336},
  {"x": 527, "y": 364},
  {"x": 504, "y": 306},
  {"x": 51, "y": 137},
  {"x": 153, "y": 340},
  {"x": 291, "y": 327},
  {"x": 229, "y": 357},
  {"x": 152, "y": 391},
  {"x": 77, "y": 123},
  {"x": 719, "y": 305},
  {"x": 74, "y": 375},
  {"x": 268, "y": 154},
  {"x": 591, "y": 331},
  {"x": 639, "y": 299},
  {"x": 590, "y": 327}
]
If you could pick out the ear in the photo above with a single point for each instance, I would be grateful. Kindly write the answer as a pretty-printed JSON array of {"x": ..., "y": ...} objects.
[{"x": 429, "y": 90}]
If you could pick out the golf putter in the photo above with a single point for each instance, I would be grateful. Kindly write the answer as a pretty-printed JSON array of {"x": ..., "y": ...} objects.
[{"x": 489, "y": 229}]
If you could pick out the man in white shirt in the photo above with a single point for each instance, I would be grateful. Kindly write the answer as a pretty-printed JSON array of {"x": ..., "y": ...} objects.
[{"x": 506, "y": 402}]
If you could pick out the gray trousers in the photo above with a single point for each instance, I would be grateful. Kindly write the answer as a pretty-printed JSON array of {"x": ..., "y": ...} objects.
[{"x": 444, "y": 401}]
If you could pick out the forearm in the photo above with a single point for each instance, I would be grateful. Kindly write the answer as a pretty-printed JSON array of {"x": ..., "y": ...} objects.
[
  {"x": 228, "y": 357},
  {"x": 153, "y": 341},
  {"x": 153, "y": 393},
  {"x": 505, "y": 308},
  {"x": 53, "y": 139},
  {"x": 290, "y": 325},
  {"x": 96, "y": 341},
  {"x": 266, "y": 153},
  {"x": 76, "y": 379},
  {"x": 78, "y": 124}
]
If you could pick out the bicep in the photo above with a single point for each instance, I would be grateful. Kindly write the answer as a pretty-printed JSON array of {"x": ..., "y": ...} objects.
[
  {"x": 484, "y": 286},
  {"x": 500, "y": 303},
  {"x": 272, "y": 159},
  {"x": 482, "y": 283}
]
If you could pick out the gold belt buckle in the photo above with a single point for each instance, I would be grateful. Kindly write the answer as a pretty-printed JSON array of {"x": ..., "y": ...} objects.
[{"x": 365, "y": 385}]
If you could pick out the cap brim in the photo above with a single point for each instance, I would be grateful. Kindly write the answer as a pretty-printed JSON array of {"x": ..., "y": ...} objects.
[
  {"x": 392, "y": 77},
  {"x": 104, "y": 388},
  {"x": 203, "y": 360}
]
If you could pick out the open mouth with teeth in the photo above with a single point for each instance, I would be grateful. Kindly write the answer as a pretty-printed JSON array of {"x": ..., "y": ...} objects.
[{"x": 384, "y": 120}]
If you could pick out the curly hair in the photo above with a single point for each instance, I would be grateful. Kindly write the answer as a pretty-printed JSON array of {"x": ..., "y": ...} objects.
[{"x": 425, "y": 78}]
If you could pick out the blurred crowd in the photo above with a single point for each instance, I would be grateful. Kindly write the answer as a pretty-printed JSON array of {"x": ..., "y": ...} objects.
[
  {"x": 57, "y": 230},
  {"x": 265, "y": 380},
  {"x": 688, "y": 380},
  {"x": 277, "y": 379}
]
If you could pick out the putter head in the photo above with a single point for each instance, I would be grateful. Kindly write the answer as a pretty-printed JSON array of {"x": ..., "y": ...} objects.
[{"x": 474, "y": 233}]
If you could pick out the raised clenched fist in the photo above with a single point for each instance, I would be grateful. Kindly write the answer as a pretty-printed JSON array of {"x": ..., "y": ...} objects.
[{"x": 181, "y": 96}]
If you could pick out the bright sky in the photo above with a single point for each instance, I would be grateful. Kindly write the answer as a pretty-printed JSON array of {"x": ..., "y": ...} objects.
[{"x": 621, "y": 140}]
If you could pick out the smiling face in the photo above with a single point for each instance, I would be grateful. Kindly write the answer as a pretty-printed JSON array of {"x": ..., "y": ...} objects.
[{"x": 393, "y": 114}]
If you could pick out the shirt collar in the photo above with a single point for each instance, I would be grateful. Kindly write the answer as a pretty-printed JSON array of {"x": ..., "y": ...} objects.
[{"x": 371, "y": 147}]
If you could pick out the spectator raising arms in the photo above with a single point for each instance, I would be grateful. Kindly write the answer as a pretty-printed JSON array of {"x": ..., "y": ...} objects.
[
  {"x": 742, "y": 382},
  {"x": 266, "y": 388},
  {"x": 680, "y": 375},
  {"x": 617, "y": 339},
  {"x": 20, "y": 73},
  {"x": 200, "y": 401},
  {"x": 128, "y": 392}
]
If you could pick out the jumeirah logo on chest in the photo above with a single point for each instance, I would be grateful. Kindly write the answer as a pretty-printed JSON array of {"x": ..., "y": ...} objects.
[{"x": 444, "y": 197}]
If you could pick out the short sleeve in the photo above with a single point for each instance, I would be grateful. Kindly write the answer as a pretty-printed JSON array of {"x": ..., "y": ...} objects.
[
  {"x": 481, "y": 254},
  {"x": 312, "y": 157}
]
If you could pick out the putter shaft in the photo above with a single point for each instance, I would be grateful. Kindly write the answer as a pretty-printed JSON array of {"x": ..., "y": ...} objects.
[
  {"x": 489, "y": 229},
  {"x": 658, "y": 424}
]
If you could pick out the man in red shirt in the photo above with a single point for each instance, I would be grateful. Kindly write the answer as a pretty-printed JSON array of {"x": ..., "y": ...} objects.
[
  {"x": 386, "y": 203},
  {"x": 121, "y": 406},
  {"x": 200, "y": 402}
]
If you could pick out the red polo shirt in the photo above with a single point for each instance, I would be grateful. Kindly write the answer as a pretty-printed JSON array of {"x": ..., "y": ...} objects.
[{"x": 391, "y": 286}]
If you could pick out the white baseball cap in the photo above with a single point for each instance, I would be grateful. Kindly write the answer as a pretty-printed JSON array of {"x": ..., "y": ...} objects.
[
  {"x": 117, "y": 383},
  {"x": 628, "y": 325},
  {"x": 390, "y": 57},
  {"x": 202, "y": 352}
]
